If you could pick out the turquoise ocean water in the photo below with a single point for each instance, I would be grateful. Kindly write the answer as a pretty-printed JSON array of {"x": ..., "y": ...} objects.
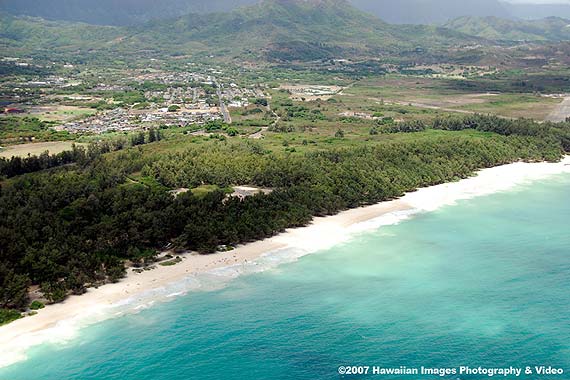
[{"x": 485, "y": 283}]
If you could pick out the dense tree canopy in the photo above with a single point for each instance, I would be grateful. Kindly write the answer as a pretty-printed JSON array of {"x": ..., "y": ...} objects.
[{"x": 75, "y": 225}]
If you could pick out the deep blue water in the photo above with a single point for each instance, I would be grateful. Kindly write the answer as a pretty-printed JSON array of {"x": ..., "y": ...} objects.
[{"x": 482, "y": 283}]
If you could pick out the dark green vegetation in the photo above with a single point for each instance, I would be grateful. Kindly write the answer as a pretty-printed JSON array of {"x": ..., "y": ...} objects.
[
  {"x": 75, "y": 226},
  {"x": 36, "y": 305},
  {"x": 548, "y": 29},
  {"x": 8, "y": 315}
]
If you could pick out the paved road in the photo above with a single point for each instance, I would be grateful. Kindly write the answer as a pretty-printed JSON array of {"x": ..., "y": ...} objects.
[
  {"x": 223, "y": 108},
  {"x": 561, "y": 112}
]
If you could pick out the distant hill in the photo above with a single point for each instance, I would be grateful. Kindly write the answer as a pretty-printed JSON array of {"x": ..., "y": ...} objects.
[
  {"x": 34, "y": 35},
  {"x": 131, "y": 12},
  {"x": 493, "y": 28},
  {"x": 115, "y": 12},
  {"x": 442, "y": 11},
  {"x": 539, "y": 11},
  {"x": 430, "y": 11},
  {"x": 301, "y": 29},
  {"x": 281, "y": 30}
]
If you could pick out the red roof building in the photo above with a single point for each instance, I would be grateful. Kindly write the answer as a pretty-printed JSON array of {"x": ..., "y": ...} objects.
[{"x": 13, "y": 110}]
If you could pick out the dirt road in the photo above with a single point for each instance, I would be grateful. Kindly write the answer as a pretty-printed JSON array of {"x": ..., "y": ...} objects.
[{"x": 561, "y": 112}]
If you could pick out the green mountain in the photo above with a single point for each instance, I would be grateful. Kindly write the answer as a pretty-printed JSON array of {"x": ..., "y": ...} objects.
[
  {"x": 548, "y": 29},
  {"x": 299, "y": 30},
  {"x": 281, "y": 30},
  {"x": 430, "y": 11},
  {"x": 132, "y": 12}
]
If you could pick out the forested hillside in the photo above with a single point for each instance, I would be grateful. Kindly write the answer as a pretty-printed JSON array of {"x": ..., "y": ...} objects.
[
  {"x": 74, "y": 226},
  {"x": 275, "y": 30}
]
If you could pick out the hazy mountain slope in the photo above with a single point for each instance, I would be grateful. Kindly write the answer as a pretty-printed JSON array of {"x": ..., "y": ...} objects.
[
  {"x": 549, "y": 29},
  {"x": 441, "y": 11},
  {"x": 300, "y": 29},
  {"x": 430, "y": 11},
  {"x": 539, "y": 11},
  {"x": 273, "y": 30},
  {"x": 21, "y": 33},
  {"x": 130, "y": 12},
  {"x": 115, "y": 12}
]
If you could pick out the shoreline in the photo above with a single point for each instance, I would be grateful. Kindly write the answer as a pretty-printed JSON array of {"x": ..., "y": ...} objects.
[{"x": 61, "y": 322}]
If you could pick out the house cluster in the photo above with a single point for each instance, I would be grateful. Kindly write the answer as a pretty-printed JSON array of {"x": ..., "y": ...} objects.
[
  {"x": 359, "y": 115},
  {"x": 103, "y": 87},
  {"x": 180, "y": 118},
  {"x": 173, "y": 78},
  {"x": 174, "y": 99},
  {"x": 238, "y": 97},
  {"x": 53, "y": 81},
  {"x": 118, "y": 120},
  {"x": 311, "y": 92},
  {"x": 125, "y": 120},
  {"x": 176, "y": 95}
]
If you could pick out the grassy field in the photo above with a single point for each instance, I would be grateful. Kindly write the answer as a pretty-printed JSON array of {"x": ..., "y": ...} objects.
[
  {"x": 440, "y": 94},
  {"x": 23, "y": 150},
  {"x": 516, "y": 105},
  {"x": 61, "y": 113}
]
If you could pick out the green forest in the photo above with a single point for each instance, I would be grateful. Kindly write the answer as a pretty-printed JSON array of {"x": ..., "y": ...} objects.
[{"x": 70, "y": 226}]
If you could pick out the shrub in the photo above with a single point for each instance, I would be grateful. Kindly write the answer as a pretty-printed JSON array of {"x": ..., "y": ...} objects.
[
  {"x": 36, "y": 305},
  {"x": 54, "y": 291},
  {"x": 9, "y": 315}
]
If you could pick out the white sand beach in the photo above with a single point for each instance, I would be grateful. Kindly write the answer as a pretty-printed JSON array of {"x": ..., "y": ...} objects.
[{"x": 61, "y": 321}]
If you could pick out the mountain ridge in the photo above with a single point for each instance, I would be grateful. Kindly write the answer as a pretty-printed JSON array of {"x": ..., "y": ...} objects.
[
  {"x": 272, "y": 30},
  {"x": 133, "y": 12},
  {"x": 493, "y": 28},
  {"x": 315, "y": 29}
]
